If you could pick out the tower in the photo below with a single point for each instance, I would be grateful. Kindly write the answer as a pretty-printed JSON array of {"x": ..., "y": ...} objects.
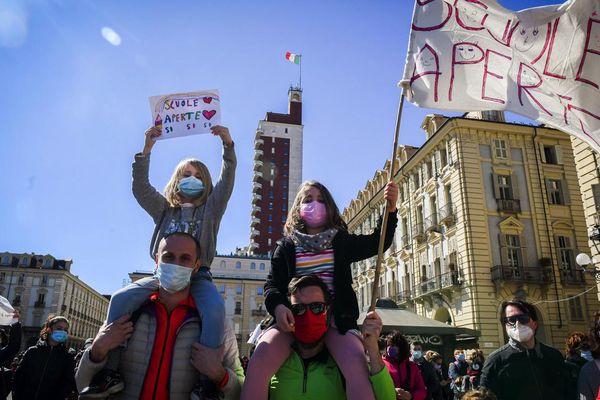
[{"x": 277, "y": 173}]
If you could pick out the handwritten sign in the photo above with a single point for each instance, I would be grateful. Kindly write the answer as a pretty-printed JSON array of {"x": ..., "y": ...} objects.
[
  {"x": 184, "y": 114},
  {"x": 543, "y": 63}
]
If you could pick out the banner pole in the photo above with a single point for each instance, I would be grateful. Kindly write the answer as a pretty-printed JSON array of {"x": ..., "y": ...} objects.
[{"x": 375, "y": 288}]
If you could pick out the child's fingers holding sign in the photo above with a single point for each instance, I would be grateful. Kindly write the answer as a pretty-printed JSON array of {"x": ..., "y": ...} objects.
[
  {"x": 223, "y": 133},
  {"x": 150, "y": 138}
]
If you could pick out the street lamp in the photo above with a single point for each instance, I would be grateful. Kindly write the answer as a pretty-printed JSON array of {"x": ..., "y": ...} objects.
[{"x": 588, "y": 265}]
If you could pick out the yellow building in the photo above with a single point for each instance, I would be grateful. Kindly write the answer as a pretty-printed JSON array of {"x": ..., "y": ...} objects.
[
  {"x": 40, "y": 285},
  {"x": 485, "y": 215},
  {"x": 588, "y": 173},
  {"x": 240, "y": 281}
]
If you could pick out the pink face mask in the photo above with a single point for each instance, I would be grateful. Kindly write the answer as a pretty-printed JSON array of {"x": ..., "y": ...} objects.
[{"x": 313, "y": 213}]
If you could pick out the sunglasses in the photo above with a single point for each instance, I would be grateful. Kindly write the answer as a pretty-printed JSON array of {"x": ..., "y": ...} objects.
[
  {"x": 521, "y": 319},
  {"x": 316, "y": 308}
]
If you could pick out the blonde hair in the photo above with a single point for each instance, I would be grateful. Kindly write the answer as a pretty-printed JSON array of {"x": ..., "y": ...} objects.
[
  {"x": 295, "y": 223},
  {"x": 172, "y": 189}
]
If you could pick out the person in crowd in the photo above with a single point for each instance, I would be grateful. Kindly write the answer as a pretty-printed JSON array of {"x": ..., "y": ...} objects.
[
  {"x": 317, "y": 241},
  {"x": 457, "y": 371},
  {"x": 405, "y": 373},
  {"x": 524, "y": 368},
  {"x": 162, "y": 337},
  {"x": 46, "y": 371},
  {"x": 190, "y": 204},
  {"x": 434, "y": 390},
  {"x": 475, "y": 360},
  {"x": 479, "y": 394},
  {"x": 441, "y": 373},
  {"x": 588, "y": 383},
  {"x": 577, "y": 353},
  {"x": 310, "y": 372},
  {"x": 10, "y": 346}
]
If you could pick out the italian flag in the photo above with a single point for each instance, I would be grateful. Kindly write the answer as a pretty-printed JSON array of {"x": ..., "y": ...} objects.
[{"x": 291, "y": 57}]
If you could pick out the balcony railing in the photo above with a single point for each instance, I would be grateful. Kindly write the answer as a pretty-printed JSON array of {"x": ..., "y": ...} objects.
[
  {"x": 255, "y": 221},
  {"x": 419, "y": 232},
  {"x": 447, "y": 214},
  {"x": 404, "y": 296},
  {"x": 259, "y": 313},
  {"x": 437, "y": 283},
  {"x": 258, "y": 154},
  {"x": 258, "y": 143},
  {"x": 405, "y": 241},
  {"x": 257, "y": 175},
  {"x": 521, "y": 274},
  {"x": 431, "y": 223},
  {"x": 256, "y": 186},
  {"x": 572, "y": 276},
  {"x": 509, "y": 205}
]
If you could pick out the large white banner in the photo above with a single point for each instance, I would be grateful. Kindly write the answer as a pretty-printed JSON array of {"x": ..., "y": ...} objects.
[{"x": 543, "y": 63}]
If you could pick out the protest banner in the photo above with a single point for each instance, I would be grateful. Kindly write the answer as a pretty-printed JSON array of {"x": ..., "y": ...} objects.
[
  {"x": 184, "y": 114},
  {"x": 542, "y": 63}
]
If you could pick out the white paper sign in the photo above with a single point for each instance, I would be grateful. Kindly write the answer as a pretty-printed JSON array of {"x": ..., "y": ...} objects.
[
  {"x": 184, "y": 114},
  {"x": 543, "y": 63},
  {"x": 6, "y": 312}
]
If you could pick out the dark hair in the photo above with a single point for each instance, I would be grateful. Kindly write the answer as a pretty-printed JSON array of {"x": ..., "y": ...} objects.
[
  {"x": 525, "y": 307},
  {"x": 397, "y": 339},
  {"x": 574, "y": 342},
  {"x": 594, "y": 336},
  {"x": 50, "y": 322},
  {"x": 295, "y": 222},
  {"x": 416, "y": 343},
  {"x": 305, "y": 281},
  {"x": 186, "y": 235}
]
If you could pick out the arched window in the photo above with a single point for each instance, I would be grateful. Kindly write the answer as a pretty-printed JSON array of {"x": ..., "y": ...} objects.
[
  {"x": 238, "y": 265},
  {"x": 252, "y": 265},
  {"x": 262, "y": 266}
]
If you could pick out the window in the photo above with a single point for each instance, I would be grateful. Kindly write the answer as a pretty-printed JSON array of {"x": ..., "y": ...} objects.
[
  {"x": 285, "y": 162},
  {"x": 2, "y": 276},
  {"x": 270, "y": 217},
  {"x": 45, "y": 280},
  {"x": 429, "y": 170},
  {"x": 238, "y": 289},
  {"x": 21, "y": 279},
  {"x": 48, "y": 262},
  {"x": 555, "y": 191},
  {"x": 513, "y": 247},
  {"x": 260, "y": 290},
  {"x": 261, "y": 266},
  {"x": 41, "y": 299},
  {"x": 565, "y": 253},
  {"x": 238, "y": 308},
  {"x": 6, "y": 260},
  {"x": 25, "y": 260},
  {"x": 284, "y": 195},
  {"x": 238, "y": 265},
  {"x": 504, "y": 187},
  {"x": 443, "y": 157},
  {"x": 270, "y": 205},
  {"x": 284, "y": 207},
  {"x": 284, "y": 184},
  {"x": 283, "y": 219},
  {"x": 16, "y": 300},
  {"x": 270, "y": 194},
  {"x": 253, "y": 265},
  {"x": 272, "y": 150},
  {"x": 501, "y": 149},
  {"x": 269, "y": 229},
  {"x": 575, "y": 309}
]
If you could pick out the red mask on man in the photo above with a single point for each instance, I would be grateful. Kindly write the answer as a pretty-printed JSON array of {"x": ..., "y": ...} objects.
[{"x": 310, "y": 327}]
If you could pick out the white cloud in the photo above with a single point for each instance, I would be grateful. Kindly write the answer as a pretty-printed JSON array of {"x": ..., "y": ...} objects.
[{"x": 111, "y": 36}]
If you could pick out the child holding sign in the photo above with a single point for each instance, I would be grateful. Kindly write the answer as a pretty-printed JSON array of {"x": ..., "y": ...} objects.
[
  {"x": 317, "y": 242},
  {"x": 192, "y": 205}
]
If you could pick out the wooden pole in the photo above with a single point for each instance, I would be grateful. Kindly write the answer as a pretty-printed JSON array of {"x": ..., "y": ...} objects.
[{"x": 375, "y": 289}]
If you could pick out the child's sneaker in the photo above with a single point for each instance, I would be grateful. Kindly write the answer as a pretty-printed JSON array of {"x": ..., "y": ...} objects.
[{"x": 106, "y": 382}]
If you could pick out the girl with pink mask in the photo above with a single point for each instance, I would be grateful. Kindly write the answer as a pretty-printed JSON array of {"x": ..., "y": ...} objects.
[{"x": 317, "y": 242}]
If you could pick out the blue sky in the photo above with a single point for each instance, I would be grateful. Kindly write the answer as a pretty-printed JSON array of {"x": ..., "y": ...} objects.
[{"x": 76, "y": 107}]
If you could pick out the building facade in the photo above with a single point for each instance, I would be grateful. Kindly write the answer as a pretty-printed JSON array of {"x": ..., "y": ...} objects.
[
  {"x": 240, "y": 280},
  {"x": 485, "y": 214},
  {"x": 277, "y": 173},
  {"x": 588, "y": 173},
  {"x": 40, "y": 285}
]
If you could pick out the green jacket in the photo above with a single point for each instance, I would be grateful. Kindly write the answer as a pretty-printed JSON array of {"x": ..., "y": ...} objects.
[{"x": 321, "y": 380}]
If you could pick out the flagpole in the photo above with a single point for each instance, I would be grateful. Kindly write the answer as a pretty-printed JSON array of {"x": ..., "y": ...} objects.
[{"x": 375, "y": 289}]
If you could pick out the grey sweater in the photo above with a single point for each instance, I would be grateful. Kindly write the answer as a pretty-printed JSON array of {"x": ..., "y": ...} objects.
[{"x": 203, "y": 220}]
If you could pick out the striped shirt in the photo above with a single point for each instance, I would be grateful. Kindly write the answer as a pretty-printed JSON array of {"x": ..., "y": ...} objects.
[{"x": 319, "y": 263}]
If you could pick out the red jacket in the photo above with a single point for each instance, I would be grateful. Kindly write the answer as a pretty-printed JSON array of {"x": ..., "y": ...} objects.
[{"x": 398, "y": 371}]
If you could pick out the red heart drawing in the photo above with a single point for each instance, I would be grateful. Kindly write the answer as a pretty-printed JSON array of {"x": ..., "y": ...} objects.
[
  {"x": 207, "y": 100},
  {"x": 209, "y": 114}
]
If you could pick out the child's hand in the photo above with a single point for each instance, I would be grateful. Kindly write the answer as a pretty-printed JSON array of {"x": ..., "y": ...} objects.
[
  {"x": 151, "y": 134},
  {"x": 285, "y": 318},
  {"x": 223, "y": 133},
  {"x": 391, "y": 195}
]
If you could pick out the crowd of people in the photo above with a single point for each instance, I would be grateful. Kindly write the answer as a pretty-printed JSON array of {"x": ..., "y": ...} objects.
[{"x": 166, "y": 337}]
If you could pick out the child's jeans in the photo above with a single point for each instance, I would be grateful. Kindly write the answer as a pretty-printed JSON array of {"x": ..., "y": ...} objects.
[{"x": 209, "y": 303}]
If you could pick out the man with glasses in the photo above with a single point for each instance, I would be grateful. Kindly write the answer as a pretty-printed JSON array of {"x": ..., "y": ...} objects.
[
  {"x": 310, "y": 372},
  {"x": 524, "y": 368}
]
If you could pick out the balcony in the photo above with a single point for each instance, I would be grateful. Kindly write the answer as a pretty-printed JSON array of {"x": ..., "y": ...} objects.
[
  {"x": 509, "y": 205},
  {"x": 257, "y": 175},
  {"x": 256, "y": 197},
  {"x": 447, "y": 214},
  {"x": 258, "y": 143},
  {"x": 255, "y": 221},
  {"x": 39, "y": 304},
  {"x": 259, "y": 313},
  {"x": 572, "y": 277},
  {"x": 258, "y": 154},
  {"x": 404, "y": 297},
  {"x": 447, "y": 280},
  {"x": 431, "y": 223},
  {"x": 419, "y": 232},
  {"x": 256, "y": 186},
  {"x": 258, "y": 165},
  {"x": 254, "y": 232},
  {"x": 521, "y": 274},
  {"x": 254, "y": 245},
  {"x": 405, "y": 242}
]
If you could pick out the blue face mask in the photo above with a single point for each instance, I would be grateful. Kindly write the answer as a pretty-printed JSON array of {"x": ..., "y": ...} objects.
[
  {"x": 392, "y": 351},
  {"x": 460, "y": 357},
  {"x": 173, "y": 277},
  {"x": 191, "y": 187},
  {"x": 59, "y": 336},
  {"x": 586, "y": 354},
  {"x": 417, "y": 354}
]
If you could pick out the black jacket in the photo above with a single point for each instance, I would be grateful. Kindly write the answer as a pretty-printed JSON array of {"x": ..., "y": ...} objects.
[
  {"x": 347, "y": 248},
  {"x": 515, "y": 373},
  {"x": 44, "y": 373},
  {"x": 434, "y": 390}
]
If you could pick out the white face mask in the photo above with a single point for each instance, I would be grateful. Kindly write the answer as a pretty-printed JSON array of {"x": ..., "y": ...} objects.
[
  {"x": 519, "y": 333},
  {"x": 173, "y": 277}
]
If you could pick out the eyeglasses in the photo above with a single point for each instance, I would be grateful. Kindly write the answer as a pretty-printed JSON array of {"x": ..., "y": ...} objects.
[
  {"x": 521, "y": 319},
  {"x": 316, "y": 308}
]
